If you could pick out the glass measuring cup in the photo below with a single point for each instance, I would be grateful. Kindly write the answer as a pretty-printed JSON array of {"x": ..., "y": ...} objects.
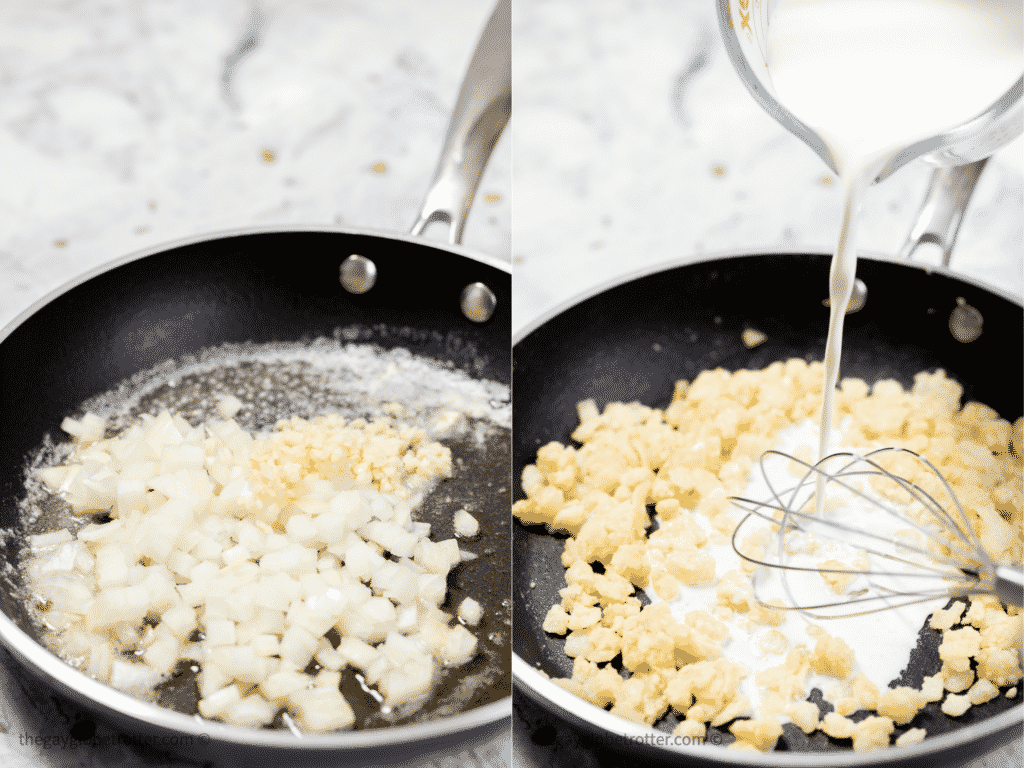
[{"x": 960, "y": 153}]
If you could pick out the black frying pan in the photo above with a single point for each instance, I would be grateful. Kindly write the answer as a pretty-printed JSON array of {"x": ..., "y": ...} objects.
[
  {"x": 267, "y": 287},
  {"x": 632, "y": 341}
]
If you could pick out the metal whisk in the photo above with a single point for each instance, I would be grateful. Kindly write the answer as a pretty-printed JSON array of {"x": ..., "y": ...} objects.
[{"x": 935, "y": 554}]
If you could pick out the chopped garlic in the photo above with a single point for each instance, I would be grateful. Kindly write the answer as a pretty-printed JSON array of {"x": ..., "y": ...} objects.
[
  {"x": 912, "y": 736},
  {"x": 805, "y": 714},
  {"x": 228, "y": 406},
  {"x": 956, "y": 705}
]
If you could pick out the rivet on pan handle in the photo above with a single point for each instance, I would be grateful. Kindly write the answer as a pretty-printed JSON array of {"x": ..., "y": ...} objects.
[
  {"x": 480, "y": 115},
  {"x": 858, "y": 298},
  {"x": 478, "y": 302},
  {"x": 358, "y": 274},
  {"x": 965, "y": 321}
]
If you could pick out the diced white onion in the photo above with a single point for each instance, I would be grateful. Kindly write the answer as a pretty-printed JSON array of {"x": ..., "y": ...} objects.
[
  {"x": 470, "y": 611},
  {"x": 197, "y": 545},
  {"x": 465, "y": 524}
]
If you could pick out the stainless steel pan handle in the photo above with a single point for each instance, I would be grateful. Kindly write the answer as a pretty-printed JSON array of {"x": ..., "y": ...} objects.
[
  {"x": 480, "y": 115},
  {"x": 939, "y": 219}
]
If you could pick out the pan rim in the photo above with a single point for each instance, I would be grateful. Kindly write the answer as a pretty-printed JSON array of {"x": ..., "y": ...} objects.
[
  {"x": 590, "y": 716},
  {"x": 584, "y": 714},
  {"x": 224, "y": 234},
  {"x": 84, "y": 689},
  {"x": 92, "y": 693},
  {"x": 663, "y": 266}
]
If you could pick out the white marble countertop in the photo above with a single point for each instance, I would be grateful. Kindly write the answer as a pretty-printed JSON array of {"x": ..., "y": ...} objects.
[{"x": 127, "y": 124}]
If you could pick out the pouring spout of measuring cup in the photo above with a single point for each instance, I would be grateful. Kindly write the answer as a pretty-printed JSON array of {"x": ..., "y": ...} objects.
[{"x": 481, "y": 112}]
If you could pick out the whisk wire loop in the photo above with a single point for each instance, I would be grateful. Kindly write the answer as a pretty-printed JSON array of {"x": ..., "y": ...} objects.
[
  {"x": 956, "y": 555},
  {"x": 916, "y": 492}
]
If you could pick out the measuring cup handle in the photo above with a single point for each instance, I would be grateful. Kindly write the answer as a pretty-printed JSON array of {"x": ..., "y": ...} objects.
[
  {"x": 481, "y": 112},
  {"x": 939, "y": 219}
]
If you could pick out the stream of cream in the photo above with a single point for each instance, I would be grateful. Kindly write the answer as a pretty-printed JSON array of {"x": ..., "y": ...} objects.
[{"x": 872, "y": 77}]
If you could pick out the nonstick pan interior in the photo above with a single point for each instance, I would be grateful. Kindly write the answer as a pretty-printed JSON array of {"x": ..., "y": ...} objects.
[
  {"x": 255, "y": 289},
  {"x": 631, "y": 342}
]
